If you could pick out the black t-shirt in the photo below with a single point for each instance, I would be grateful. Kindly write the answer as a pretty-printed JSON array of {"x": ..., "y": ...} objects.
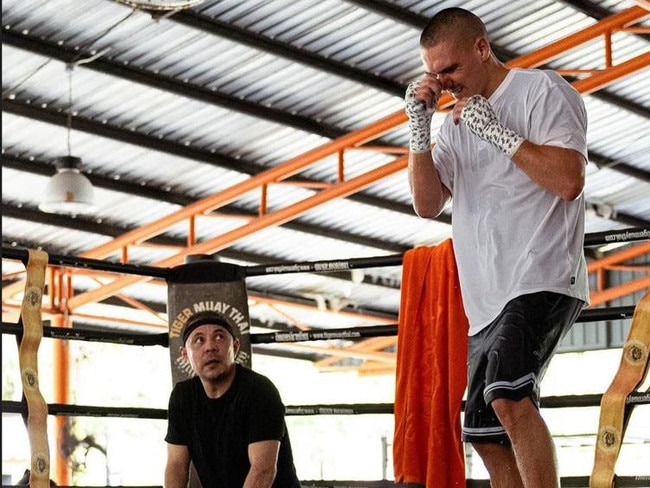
[{"x": 217, "y": 431}]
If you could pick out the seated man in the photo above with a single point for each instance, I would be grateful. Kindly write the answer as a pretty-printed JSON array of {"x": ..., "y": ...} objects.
[{"x": 227, "y": 419}]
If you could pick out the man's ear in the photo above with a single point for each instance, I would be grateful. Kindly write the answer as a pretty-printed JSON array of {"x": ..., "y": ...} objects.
[
  {"x": 483, "y": 47},
  {"x": 236, "y": 344},
  {"x": 183, "y": 350}
]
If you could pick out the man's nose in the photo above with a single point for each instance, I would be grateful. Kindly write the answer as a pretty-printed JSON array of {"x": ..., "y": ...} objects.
[{"x": 444, "y": 81}]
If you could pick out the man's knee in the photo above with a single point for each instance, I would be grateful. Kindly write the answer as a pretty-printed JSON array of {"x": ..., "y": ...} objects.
[
  {"x": 495, "y": 456},
  {"x": 489, "y": 450},
  {"x": 512, "y": 413}
]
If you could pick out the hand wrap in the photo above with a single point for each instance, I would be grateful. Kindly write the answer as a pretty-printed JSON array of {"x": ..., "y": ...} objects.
[
  {"x": 419, "y": 120},
  {"x": 479, "y": 117}
]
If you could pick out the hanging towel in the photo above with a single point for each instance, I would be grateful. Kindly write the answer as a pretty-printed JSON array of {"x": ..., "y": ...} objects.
[{"x": 431, "y": 373}]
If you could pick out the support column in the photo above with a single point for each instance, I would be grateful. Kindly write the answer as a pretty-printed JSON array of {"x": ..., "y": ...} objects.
[{"x": 61, "y": 381}]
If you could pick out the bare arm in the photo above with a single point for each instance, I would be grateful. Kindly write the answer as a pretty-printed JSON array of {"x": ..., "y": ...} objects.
[
  {"x": 558, "y": 170},
  {"x": 263, "y": 457},
  {"x": 177, "y": 468},
  {"x": 429, "y": 195}
]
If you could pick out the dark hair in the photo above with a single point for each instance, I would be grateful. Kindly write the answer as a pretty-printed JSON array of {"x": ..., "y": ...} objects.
[{"x": 450, "y": 22}]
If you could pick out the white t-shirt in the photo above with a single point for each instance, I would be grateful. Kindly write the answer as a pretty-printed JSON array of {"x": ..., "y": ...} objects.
[{"x": 510, "y": 236}]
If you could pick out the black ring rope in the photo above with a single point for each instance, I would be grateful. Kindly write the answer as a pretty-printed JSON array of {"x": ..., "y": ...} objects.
[
  {"x": 635, "y": 398},
  {"x": 11, "y": 252},
  {"x": 162, "y": 339},
  {"x": 65, "y": 410},
  {"x": 21, "y": 254},
  {"x": 77, "y": 334},
  {"x": 594, "y": 239},
  {"x": 622, "y": 235}
]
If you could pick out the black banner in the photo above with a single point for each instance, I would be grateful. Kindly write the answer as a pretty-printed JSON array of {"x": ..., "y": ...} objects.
[{"x": 200, "y": 286}]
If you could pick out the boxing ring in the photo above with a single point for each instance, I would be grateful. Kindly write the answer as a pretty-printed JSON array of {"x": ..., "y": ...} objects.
[{"x": 29, "y": 330}]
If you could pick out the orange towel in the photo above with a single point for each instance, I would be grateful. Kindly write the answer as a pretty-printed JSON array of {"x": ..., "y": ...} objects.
[{"x": 431, "y": 371}]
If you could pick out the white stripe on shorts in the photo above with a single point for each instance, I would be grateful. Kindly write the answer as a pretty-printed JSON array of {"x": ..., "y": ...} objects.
[
  {"x": 483, "y": 431},
  {"x": 510, "y": 385}
]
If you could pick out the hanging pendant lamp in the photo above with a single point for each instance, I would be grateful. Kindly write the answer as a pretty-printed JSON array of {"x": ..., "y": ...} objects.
[
  {"x": 160, "y": 4},
  {"x": 68, "y": 191}
]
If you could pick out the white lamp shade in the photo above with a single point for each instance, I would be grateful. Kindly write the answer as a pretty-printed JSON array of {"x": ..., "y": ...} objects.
[
  {"x": 160, "y": 4},
  {"x": 68, "y": 191}
]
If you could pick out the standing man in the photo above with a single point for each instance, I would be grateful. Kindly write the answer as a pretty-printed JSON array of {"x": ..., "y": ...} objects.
[
  {"x": 511, "y": 158},
  {"x": 227, "y": 419}
]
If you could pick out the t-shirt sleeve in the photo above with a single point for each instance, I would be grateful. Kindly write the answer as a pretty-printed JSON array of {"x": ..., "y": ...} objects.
[
  {"x": 266, "y": 413},
  {"x": 176, "y": 426},
  {"x": 559, "y": 117}
]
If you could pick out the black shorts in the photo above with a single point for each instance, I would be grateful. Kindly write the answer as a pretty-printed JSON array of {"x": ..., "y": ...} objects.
[{"x": 508, "y": 358}]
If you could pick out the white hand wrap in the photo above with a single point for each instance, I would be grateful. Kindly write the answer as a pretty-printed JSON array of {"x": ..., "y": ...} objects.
[
  {"x": 419, "y": 120},
  {"x": 479, "y": 117}
]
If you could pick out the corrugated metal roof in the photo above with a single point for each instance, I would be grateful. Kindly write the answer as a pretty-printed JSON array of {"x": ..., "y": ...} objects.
[{"x": 172, "y": 108}]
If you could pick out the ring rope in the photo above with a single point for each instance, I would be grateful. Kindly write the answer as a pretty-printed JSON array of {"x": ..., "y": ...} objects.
[
  {"x": 631, "y": 350},
  {"x": 631, "y": 234},
  {"x": 614, "y": 412},
  {"x": 69, "y": 410},
  {"x": 349, "y": 333},
  {"x": 37, "y": 409}
]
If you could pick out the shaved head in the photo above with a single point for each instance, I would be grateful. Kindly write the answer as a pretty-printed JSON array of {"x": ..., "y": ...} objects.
[{"x": 452, "y": 24}]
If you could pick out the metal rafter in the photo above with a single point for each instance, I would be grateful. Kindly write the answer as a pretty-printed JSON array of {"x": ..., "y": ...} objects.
[
  {"x": 358, "y": 137},
  {"x": 114, "y": 230},
  {"x": 278, "y": 48},
  {"x": 585, "y": 85},
  {"x": 160, "y": 195},
  {"x": 136, "y": 188}
]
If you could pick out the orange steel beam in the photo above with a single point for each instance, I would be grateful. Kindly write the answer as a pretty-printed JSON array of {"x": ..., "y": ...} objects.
[
  {"x": 230, "y": 194},
  {"x": 375, "y": 344},
  {"x": 263, "y": 221},
  {"x": 335, "y": 191},
  {"x": 49, "y": 313},
  {"x": 619, "y": 257},
  {"x": 383, "y": 357},
  {"x": 136, "y": 304},
  {"x": 61, "y": 380},
  {"x": 13, "y": 309},
  {"x": 347, "y": 141},
  {"x": 298, "y": 324},
  {"x": 547, "y": 53},
  {"x": 607, "y": 76},
  {"x": 274, "y": 302},
  {"x": 295, "y": 165},
  {"x": 643, "y": 4},
  {"x": 602, "y": 294},
  {"x": 599, "y": 297}
]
